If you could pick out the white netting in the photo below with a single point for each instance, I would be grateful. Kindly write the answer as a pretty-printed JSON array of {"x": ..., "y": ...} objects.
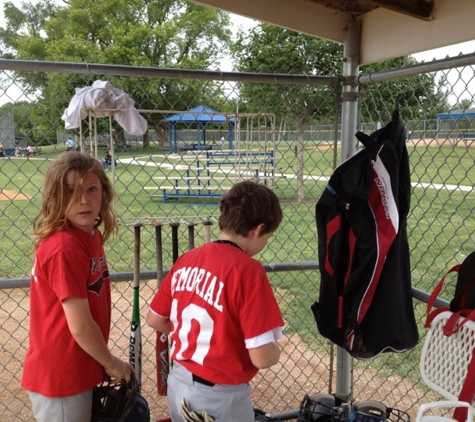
[{"x": 445, "y": 359}]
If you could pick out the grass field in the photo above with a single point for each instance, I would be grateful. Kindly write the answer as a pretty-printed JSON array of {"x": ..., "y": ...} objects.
[
  {"x": 438, "y": 218},
  {"x": 440, "y": 223}
]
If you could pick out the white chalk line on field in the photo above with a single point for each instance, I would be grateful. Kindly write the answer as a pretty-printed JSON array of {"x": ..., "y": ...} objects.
[
  {"x": 169, "y": 166},
  {"x": 147, "y": 163}
]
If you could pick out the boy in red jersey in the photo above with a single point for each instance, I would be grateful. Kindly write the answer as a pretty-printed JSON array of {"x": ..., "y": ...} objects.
[
  {"x": 70, "y": 298},
  {"x": 219, "y": 308}
]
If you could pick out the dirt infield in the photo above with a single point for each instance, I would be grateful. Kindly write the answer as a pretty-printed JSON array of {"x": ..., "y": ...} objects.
[
  {"x": 300, "y": 371},
  {"x": 10, "y": 195}
]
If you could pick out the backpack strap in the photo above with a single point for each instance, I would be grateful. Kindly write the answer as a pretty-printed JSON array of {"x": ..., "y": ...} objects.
[
  {"x": 468, "y": 391},
  {"x": 431, "y": 314},
  {"x": 367, "y": 140},
  {"x": 453, "y": 325}
]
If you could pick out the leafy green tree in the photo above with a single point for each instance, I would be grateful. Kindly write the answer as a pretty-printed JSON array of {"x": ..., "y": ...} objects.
[
  {"x": 420, "y": 97},
  {"x": 22, "y": 37},
  {"x": 159, "y": 33},
  {"x": 464, "y": 104},
  {"x": 18, "y": 110},
  {"x": 270, "y": 49}
]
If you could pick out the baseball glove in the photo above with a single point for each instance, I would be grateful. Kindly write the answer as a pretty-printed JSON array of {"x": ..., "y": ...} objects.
[{"x": 192, "y": 416}]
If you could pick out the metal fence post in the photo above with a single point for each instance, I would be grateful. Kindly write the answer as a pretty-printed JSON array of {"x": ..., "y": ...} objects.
[{"x": 348, "y": 130}]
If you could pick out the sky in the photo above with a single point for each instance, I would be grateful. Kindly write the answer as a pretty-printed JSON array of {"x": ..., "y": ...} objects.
[
  {"x": 440, "y": 53},
  {"x": 461, "y": 80}
]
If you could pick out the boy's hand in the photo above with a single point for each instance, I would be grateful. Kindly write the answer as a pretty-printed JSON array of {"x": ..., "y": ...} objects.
[{"x": 119, "y": 370}]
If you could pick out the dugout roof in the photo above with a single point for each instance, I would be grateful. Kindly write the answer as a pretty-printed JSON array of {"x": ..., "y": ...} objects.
[{"x": 389, "y": 28}]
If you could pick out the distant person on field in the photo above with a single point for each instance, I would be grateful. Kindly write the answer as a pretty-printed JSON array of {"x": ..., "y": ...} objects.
[
  {"x": 2, "y": 151},
  {"x": 221, "y": 314},
  {"x": 107, "y": 162},
  {"x": 69, "y": 144},
  {"x": 70, "y": 297},
  {"x": 30, "y": 150},
  {"x": 222, "y": 141}
]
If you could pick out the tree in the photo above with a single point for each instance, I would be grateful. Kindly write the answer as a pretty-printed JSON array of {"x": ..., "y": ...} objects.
[
  {"x": 464, "y": 104},
  {"x": 270, "y": 49},
  {"x": 420, "y": 96},
  {"x": 159, "y": 33},
  {"x": 25, "y": 23}
]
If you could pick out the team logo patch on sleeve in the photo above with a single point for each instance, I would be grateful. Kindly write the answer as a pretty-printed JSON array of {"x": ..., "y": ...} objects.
[{"x": 97, "y": 286}]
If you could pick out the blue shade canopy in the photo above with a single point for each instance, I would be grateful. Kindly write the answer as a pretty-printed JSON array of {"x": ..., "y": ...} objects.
[
  {"x": 200, "y": 114},
  {"x": 457, "y": 114}
]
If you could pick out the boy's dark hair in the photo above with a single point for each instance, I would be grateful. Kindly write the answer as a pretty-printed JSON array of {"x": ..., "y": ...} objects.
[{"x": 247, "y": 205}]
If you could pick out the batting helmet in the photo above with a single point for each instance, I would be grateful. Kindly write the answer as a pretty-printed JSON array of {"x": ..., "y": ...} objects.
[
  {"x": 368, "y": 411},
  {"x": 140, "y": 411},
  {"x": 321, "y": 407},
  {"x": 115, "y": 402},
  {"x": 373, "y": 411}
]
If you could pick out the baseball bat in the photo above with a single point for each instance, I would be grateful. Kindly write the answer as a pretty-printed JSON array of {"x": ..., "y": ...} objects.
[
  {"x": 207, "y": 224},
  {"x": 174, "y": 225},
  {"x": 161, "y": 342},
  {"x": 191, "y": 235},
  {"x": 135, "y": 342}
]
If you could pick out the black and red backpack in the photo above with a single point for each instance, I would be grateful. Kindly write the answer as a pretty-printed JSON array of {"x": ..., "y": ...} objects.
[
  {"x": 464, "y": 296},
  {"x": 365, "y": 299}
]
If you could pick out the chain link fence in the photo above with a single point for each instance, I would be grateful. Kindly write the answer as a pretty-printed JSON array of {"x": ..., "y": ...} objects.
[{"x": 176, "y": 173}]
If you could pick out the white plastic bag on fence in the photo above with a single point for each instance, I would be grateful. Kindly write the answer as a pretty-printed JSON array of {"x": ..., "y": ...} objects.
[{"x": 102, "y": 99}]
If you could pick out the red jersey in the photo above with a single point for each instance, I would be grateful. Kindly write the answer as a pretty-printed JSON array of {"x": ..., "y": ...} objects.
[
  {"x": 67, "y": 264},
  {"x": 217, "y": 297}
]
